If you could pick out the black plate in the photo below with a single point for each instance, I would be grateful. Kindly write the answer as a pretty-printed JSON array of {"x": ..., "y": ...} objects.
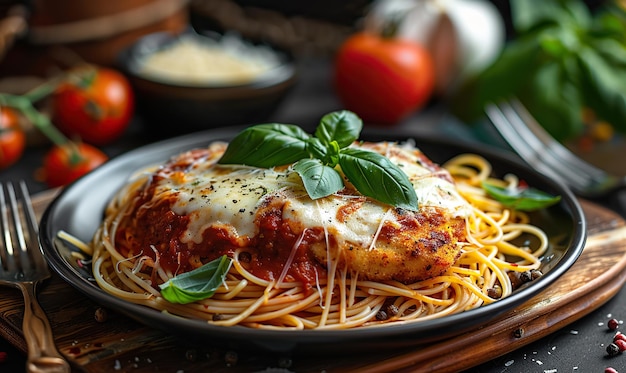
[{"x": 79, "y": 210}]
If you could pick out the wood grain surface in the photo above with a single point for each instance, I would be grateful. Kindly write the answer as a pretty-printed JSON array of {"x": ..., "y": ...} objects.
[{"x": 120, "y": 344}]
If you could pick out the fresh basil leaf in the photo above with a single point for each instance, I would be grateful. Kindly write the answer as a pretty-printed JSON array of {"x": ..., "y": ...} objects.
[
  {"x": 319, "y": 180},
  {"x": 343, "y": 127},
  {"x": 315, "y": 158},
  {"x": 201, "y": 283},
  {"x": 377, "y": 177},
  {"x": 613, "y": 52},
  {"x": 524, "y": 199},
  {"x": 532, "y": 15},
  {"x": 604, "y": 87},
  {"x": 557, "y": 101},
  {"x": 610, "y": 24},
  {"x": 577, "y": 15},
  {"x": 267, "y": 145},
  {"x": 317, "y": 149}
]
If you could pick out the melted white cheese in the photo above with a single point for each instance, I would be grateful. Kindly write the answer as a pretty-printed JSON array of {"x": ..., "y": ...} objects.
[{"x": 229, "y": 196}]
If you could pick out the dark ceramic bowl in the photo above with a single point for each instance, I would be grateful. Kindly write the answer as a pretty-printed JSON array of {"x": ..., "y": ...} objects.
[{"x": 177, "y": 107}]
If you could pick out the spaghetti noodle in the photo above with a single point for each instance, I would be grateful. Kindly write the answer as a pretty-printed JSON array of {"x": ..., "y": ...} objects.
[{"x": 332, "y": 294}]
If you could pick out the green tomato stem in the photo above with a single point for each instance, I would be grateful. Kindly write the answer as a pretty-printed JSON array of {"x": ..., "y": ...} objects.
[
  {"x": 42, "y": 90},
  {"x": 24, "y": 105}
]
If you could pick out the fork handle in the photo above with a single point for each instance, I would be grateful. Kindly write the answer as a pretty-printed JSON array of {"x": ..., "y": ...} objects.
[{"x": 43, "y": 356}]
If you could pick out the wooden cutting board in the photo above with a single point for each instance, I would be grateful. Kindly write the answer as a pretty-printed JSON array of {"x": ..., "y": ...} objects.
[{"x": 119, "y": 344}]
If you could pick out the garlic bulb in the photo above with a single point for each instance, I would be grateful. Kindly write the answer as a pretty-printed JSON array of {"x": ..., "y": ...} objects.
[{"x": 463, "y": 36}]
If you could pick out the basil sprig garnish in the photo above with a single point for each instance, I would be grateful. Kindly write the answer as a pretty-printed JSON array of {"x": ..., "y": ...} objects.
[
  {"x": 521, "y": 198},
  {"x": 320, "y": 159},
  {"x": 201, "y": 283}
]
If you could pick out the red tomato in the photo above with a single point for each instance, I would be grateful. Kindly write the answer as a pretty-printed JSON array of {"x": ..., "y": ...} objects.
[
  {"x": 383, "y": 79},
  {"x": 97, "y": 106},
  {"x": 12, "y": 137},
  {"x": 64, "y": 164}
]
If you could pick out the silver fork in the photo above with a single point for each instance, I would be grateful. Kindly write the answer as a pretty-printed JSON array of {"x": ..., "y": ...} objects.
[
  {"x": 22, "y": 265},
  {"x": 540, "y": 150}
]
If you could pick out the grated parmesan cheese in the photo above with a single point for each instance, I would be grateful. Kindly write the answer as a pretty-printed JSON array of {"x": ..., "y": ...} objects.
[{"x": 197, "y": 60}]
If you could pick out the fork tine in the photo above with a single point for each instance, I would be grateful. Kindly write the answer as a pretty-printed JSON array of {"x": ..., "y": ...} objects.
[
  {"x": 33, "y": 231},
  {"x": 540, "y": 150},
  {"x": 7, "y": 240},
  {"x": 23, "y": 260},
  {"x": 555, "y": 146}
]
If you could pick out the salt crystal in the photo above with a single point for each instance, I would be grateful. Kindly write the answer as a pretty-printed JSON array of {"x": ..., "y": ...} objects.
[{"x": 509, "y": 363}]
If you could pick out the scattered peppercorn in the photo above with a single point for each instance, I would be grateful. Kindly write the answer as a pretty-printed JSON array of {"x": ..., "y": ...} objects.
[
  {"x": 526, "y": 276},
  {"x": 621, "y": 344},
  {"x": 3, "y": 356},
  {"x": 619, "y": 336},
  {"x": 381, "y": 315},
  {"x": 495, "y": 292},
  {"x": 392, "y": 310},
  {"x": 610, "y": 370},
  {"x": 612, "y": 349},
  {"x": 515, "y": 279},
  {"x": 191, "y": 355},
  {"x": 101, "y": 314},
  {"x": 535, "y": 274},
  {"x": 613, "y": 324},
  {"x": 217, "y": 317}
]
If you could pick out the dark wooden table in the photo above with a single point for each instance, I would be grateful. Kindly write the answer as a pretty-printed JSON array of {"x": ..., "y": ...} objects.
[{"x": 563, "y": 344}]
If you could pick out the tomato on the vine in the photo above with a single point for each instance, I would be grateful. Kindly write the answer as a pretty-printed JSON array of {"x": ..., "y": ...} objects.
[
  {"x": 66, "y": 163},
  {"x": 97, "y": 105},
  {"x": 383, "y": 79},
  {"x": 12, "y": 137}
]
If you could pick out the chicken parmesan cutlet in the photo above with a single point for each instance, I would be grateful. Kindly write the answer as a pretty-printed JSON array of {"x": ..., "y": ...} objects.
[{"x": 193, "y": 210}]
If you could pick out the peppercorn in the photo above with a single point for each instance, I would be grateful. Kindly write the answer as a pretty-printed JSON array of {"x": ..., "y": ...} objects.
[
  {"x": 191, "y": 355},
  {"x": 610, "y": 370},
  {"x": 100, "y": 315},
  {"x": 495, "y": 292},
  {"x": 381, "y": 315},
  {"x": 535, "y": 274},
  {"x": 392, "y": 310},
  {"x": 621, "y": 344},
  {"x": 613, "y": 324},
  {"x": 515, "y": 279},
  {"x": 612, "y": 349},
  {"x": 526, "y": 276},
  {"x": 619, "y": 336},
  {"x": 217, "y": 317}
]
